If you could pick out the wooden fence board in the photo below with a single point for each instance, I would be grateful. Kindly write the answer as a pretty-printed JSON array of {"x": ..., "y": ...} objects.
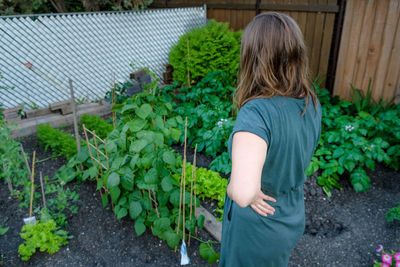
[
  {"x": 392, "y": 82},
  {"x": 387, "y": 43},
  {"x": 374, "y": 49},
  {"x": 345, "y": 47},
  {"x": 365, "y": 38},
  {"x": 377, "y": 48},
  {"x": 326, "y": 43}
]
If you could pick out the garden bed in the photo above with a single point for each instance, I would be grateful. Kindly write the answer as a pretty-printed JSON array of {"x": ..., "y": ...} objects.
[
  {"x": 99, "y": 239},
  {"x": 343, "y": 230}
]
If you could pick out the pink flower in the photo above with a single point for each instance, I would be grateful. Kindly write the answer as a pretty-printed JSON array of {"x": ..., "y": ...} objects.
[
  {"x": 397, "y": 264},
  {"x": 397, "y": 257},
  {"x": 386, "y": 258},
  {"x": 385, "y": 264},
  {"x": 380, "y": 248}
]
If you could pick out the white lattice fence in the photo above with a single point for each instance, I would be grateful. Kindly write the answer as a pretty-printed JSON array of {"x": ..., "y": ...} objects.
[{"x": 86, "y": 47}]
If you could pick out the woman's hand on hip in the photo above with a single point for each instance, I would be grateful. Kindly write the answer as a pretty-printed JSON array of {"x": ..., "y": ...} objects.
[{"x": 260, "y": 206}]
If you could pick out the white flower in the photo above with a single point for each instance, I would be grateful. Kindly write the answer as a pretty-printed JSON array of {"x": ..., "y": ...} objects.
[{"x": 349, "y": 128}]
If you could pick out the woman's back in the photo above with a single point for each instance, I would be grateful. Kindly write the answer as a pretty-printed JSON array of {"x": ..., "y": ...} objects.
[
  {"x": 264, "y": 215},
  {"x": 249, "y": 238},
  {"x": 291, "y": 138}
]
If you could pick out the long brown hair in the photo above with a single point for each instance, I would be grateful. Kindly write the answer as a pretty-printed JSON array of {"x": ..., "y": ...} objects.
[{"x": 273, "y": 60}]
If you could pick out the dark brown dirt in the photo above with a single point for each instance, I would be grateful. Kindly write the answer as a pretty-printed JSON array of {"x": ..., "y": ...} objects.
[
  {"x": 99, "y": 238},
  {"x": 343, "y": 230}
]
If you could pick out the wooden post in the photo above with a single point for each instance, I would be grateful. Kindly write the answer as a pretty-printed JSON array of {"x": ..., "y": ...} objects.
[
  {"x": 78, "y": 145},
  {"x": 42, "y": 186},
  {"x": 32, "y": 183}
]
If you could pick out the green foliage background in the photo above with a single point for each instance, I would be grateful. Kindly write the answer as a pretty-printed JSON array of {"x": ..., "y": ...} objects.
[{"x": 211, "y": 48}]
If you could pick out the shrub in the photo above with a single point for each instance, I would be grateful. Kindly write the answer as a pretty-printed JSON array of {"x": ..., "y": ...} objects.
[
  {"x": 56, "y": 140},
  {"x": 212, "y": 47},
  {"x": 100, "y": 126}
]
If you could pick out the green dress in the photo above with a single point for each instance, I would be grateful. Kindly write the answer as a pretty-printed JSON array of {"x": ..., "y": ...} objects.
[{"x": 250, "y": 239}]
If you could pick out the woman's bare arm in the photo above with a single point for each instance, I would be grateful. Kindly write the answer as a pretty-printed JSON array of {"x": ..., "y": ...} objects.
[{"x": 248, "y": 156}]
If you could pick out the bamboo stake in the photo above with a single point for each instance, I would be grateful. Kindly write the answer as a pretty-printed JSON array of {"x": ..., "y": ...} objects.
[
  {"x": 91, "y": 156},
  {"x": 98, "y": 154},
  {"x": 32, "y": 183},
  {"x": 188, "y": 72},
  {"x": 42, "y": 186},
  {"x": 182, "y": 186},
  {"x": 108, "y": 164},
  {"x": 184, "y": 181},
  {"x": 191, "y": 187},
  {"x": 180, "y": 202},
  {"x": 195, "y": 194}
]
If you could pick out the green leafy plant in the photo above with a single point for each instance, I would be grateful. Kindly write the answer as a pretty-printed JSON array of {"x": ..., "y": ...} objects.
[
  {"x": 393, "y": 214},
  {"x": 209, "y": 184},
  {"x": 120, "y": 95},
  {"x": 59, "y": 142},
  {"x": 3, "y": 230},
  {"x": 43, "y": 236},
  {"x": 100, "y": 126},
  {"x": 208, "y": 106},
  {"x": 208, "y": 253},
  {"x": 139, "y": 182},
  {"x": 352, "y": 139},
  {"x": 212, "y": 47},
  {"x": 12, "y": 165},
  {"x": 364, "y": 101},
  {"x": 60, "y": 202}
]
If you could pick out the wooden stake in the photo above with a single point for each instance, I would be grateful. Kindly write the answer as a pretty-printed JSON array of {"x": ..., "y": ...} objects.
[
  {"x": 78, "y": 145},
  {"x": 191, "y": 187},
  {"x": 108, "y": 163},
  {"x": 184, "y": 181},
  {"x": 187, "y": 64},
  {"x": 91, "y": 157},
  {"x": 182, "y": 189},
  {"x": 42, "y": 186},
  {"x": 98, "y": 154},
  {"x": 32, "y": 183},
  {"x": 10, "y": 187}
]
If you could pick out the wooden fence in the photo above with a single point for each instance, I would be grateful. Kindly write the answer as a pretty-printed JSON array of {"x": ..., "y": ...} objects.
[
  {"x": 370, "y": 49},
  {"x": 315, "y": 17}
]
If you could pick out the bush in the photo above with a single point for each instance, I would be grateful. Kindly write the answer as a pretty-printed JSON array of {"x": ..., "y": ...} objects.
[
  {"x": 100, "y": 126},
  {"x": 56, "y": 140},
  {"x": 212, "y": 47}
]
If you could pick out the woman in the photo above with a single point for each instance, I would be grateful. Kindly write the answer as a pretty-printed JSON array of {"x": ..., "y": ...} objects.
[{"x": 276, "y": 132}]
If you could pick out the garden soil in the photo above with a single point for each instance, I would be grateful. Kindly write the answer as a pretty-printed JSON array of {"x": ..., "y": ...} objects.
[{"x": 343, "y": 230}]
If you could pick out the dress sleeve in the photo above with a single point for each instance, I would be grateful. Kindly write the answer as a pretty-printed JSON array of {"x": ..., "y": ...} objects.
[{"x": 252, "y": 118}]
